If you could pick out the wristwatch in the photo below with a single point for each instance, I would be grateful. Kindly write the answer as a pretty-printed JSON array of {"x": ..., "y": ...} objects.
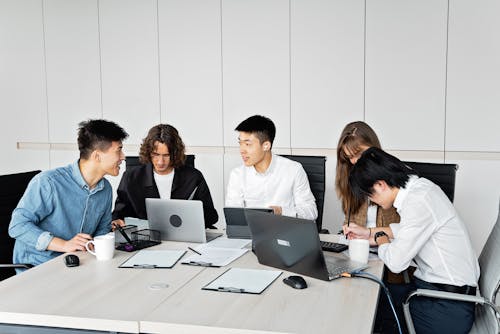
[{"x": 379, "y": 234}]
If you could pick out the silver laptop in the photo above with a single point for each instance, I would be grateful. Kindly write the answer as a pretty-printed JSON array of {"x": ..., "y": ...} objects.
[
  {"x": 236, "y": 223},
  {"x": 292, "y": 244},
  {"x": 178, "y": 220}
]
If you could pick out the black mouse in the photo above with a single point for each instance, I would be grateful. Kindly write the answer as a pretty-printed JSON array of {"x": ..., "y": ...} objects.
[
  {"x": 71, "y": 260},
  {"x": 297, "y": 282}
]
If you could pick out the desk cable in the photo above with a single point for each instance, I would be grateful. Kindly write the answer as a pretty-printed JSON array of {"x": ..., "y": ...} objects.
[{"x": 374, "y": 278}]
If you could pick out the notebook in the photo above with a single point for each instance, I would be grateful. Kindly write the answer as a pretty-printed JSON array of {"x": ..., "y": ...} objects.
[
  {"x": 236, "y": 223},
  {"x": 293, "y": 244},
  {"x": 178, "y": 220}
]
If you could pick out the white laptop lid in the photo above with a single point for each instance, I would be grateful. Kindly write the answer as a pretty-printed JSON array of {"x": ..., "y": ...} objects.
[{"x": 177, "y": 219}]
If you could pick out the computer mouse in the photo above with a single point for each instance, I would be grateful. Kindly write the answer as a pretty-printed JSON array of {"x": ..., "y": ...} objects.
[
  {"x": 71, "y": 260},
  {"x": 297, "y": 282}
]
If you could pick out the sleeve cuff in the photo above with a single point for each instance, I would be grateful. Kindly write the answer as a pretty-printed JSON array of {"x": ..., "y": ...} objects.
[
  {"x": 395, "y": 229},
  {"x": 43, "y": 241}
]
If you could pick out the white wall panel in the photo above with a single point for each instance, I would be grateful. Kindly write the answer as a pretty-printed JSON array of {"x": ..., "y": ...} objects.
[
  {"x": 129, "y": 53},
  {"x": 405, "y": 72},
  {"x": 73, "y": 70},
  {"x": 190, "y": 69},
  {"x": 63, "y": 157},
  {"x": 256, "y": 65},
  {"x": 477, "y": 195},
  {"x": 23, "y": 104},
  {"x": 473, "y": 102},
  {"x": 327, "y": 74}
]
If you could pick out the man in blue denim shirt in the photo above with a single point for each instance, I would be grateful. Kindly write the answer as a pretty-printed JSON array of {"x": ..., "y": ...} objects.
[{"x": 63, "y": 208}]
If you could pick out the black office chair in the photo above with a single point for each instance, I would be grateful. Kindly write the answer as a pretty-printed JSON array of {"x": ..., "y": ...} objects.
[
  {"x": 314, "y": 167},
  {"x": 133, "y": 161},
  {"x": 441, "y": 174},
  {"x": 12, "y": 188}
]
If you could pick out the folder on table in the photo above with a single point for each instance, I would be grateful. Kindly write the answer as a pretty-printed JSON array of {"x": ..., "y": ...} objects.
[{"x": 241, "y": 280}]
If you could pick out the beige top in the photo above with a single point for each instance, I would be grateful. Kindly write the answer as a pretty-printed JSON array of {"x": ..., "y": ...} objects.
[{"x": 384, "y": 217}]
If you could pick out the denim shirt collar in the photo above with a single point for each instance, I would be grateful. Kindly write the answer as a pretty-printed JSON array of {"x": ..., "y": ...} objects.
[{"x": 76, "y": 174}]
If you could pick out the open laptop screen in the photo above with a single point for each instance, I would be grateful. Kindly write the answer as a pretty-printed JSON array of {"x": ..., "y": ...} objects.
[{"x": 236, "y": 222}]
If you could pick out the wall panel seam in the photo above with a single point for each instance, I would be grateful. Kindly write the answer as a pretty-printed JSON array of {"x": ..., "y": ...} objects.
[{"x": 44, "y": 55}]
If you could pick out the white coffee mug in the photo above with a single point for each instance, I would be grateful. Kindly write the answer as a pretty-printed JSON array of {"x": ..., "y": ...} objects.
[
  {"x": 358, "y": 250},
  {"x": 104, "y": 247}
]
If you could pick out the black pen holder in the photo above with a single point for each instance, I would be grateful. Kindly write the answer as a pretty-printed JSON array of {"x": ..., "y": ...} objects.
[
  {"x": 141, "y": 239},
  {"x": 128, "y": 229}
]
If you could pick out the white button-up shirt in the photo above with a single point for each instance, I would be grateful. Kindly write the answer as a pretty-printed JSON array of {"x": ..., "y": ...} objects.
[
  {"x": 283, "y": 184},
  {"x": 432, "y": 234}
]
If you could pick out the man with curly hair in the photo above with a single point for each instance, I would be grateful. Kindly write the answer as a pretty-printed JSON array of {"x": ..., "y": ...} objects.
[{"x": 163, "y": 174}]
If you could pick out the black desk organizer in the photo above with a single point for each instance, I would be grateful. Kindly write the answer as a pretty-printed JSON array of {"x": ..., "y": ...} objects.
[{"x": 140, "y": 239}]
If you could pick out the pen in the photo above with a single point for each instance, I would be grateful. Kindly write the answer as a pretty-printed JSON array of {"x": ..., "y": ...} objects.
[
  {"x": 194, "y": 250},
  {"x": 348, "y": 216},
  {"x": 202, "y": 264},
  {"x": 122, "y": 232}
]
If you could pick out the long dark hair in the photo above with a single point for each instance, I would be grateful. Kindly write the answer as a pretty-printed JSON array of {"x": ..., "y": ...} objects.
[{"x": 354, "y": 135}]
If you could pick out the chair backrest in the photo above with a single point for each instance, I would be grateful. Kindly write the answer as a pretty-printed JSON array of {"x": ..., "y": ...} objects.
[
  {"x": 133, "y": 161},
  {"x": 489, "y": 262},
  {"x": 441, "y": 174},
  {"x": 314, "y": 167},
  {"x": 12, "y": 188},
  {"x": 489, "y": 282}
]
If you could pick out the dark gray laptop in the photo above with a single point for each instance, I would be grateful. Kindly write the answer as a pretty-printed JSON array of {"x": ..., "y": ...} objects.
[
  {"x": 292, "y": 244},
  {"x": 236, "y": 222},
  {"x": 178, "y": 220}
]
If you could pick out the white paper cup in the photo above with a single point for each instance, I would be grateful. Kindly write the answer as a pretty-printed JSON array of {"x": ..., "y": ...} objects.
[
  {"x": 358, "y": 250},
  {"x": 104, "y": 247}
]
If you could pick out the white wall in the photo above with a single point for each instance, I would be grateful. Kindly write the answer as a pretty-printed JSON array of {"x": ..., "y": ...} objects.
[{"x": 425, "y": 74}]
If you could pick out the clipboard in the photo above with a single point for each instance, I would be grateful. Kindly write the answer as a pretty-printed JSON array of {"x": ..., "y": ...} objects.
[
  {"x": 240, "y": 280},
  {"x": 214, "y": 256},
  {"x": 153, "y": 259}
]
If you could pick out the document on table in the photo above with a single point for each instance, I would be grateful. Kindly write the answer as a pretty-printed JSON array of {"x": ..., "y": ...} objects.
[
  {"x": 224, "y": 242},
  {"x": 150, "y": 259},
  {"x": 214, "y": 256},
  {"x": 242, "y": 280}
]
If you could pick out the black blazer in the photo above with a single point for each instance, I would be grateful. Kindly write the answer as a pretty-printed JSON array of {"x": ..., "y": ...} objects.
[{"x": 138, "y": 183}]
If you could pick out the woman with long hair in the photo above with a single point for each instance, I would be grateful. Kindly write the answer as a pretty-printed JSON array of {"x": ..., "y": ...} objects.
[{"x": 354, "y": 140}]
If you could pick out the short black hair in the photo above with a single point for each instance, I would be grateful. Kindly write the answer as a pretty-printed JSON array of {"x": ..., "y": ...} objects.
[
  {"x": 98, "y": 134},
  {"x": 261, "y": 126},
  {"x": 376, "y": 165}
]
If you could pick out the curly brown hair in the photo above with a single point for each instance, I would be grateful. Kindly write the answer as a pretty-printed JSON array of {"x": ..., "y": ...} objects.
[
  {"x": 168, "y": 135},
  {"x": 353, "y": 136}
]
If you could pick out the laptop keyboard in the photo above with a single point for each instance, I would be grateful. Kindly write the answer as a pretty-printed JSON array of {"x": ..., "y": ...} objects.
[{"x": 333, "y": 246}]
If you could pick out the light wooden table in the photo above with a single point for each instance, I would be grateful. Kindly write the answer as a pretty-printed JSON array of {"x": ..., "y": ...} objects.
[
  {"x": 99, "y": 296},
  {"x": 343, "y": 305}
]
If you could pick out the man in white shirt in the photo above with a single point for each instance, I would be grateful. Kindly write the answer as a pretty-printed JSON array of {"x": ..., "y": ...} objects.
[
  {"x": 265, "y": 179},
  {"x": 431, "y": 234}
]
